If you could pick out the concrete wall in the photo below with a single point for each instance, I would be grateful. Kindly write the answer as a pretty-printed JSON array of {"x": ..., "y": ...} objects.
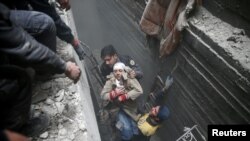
[
  {"x": 211, "y": 83},
  {"x": 84, "y": 90}
]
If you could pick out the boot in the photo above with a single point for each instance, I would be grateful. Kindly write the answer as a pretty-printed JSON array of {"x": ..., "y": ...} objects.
[{"x": 36, "y": 126}]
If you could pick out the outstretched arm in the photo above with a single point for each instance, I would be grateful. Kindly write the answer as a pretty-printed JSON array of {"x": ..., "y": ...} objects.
[{"x": 168, "y": 83}]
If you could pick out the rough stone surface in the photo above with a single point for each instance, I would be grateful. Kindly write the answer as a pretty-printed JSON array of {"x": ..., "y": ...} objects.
[
  {"x": 44, "y": 135},
  {"x": 233, "y": 40},
  {"x": 59, "y": 98}
]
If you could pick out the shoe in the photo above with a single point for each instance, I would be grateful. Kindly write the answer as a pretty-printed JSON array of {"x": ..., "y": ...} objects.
[{"x": 36, "y": 126}]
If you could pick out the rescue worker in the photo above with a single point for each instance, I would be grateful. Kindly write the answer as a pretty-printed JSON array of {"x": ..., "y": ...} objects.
[
  {"x": 122, "y": 91},
  {"x": 18, "y": 51},
  {"x": 110, "y": 56}
]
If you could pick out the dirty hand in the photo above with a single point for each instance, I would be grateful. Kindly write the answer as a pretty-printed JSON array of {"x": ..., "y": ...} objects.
[
  {"x": 123, "y": 97},
  {"x": 132, "y": 74},
  {"x": 120, "y": 91},
  {"x": 72, "y": 71},
  {"x": 13, "y": 136},
  {"x": 80, "y": 52},
  {"x": 64, "y": 4}
]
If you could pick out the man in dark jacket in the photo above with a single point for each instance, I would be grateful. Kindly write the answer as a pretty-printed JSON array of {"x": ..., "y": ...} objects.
[
  {"x": 19, "y": 50},
  {"x": 110, "y": 56}
]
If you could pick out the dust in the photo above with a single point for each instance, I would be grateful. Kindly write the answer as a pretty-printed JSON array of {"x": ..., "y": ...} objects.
[{"x": 232, "y": 40}]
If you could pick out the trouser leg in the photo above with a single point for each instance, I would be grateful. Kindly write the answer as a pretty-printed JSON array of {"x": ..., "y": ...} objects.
[
  {"x": 126, "y": 126},
  {"x": 38, "y": 24},
  {"x": 15, "y": 97},
  {"x": 63, "y": 31}
]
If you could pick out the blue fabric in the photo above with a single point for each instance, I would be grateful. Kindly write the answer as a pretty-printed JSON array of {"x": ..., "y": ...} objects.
[
  {"x": 37, "y": 24},
  {"x": 163, "y": 113},
  {"x": 127, "y": 126}
]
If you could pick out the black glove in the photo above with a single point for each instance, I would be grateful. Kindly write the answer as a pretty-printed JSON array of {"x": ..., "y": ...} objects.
[{"x": 80, "y": 52}]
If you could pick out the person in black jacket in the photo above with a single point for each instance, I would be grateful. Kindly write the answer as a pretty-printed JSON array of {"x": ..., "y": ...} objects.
[
  {"x": 19, "y": 52},
  {"x": 62, "y": 30},
  {"x": 110, "y": 56}
]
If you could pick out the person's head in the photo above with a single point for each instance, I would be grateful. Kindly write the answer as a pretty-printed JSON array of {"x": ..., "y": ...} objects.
[
  {"x": 109, "y": 55},
  {"x": 118, "y": 70},
  {"x": 159, "y": 113}
]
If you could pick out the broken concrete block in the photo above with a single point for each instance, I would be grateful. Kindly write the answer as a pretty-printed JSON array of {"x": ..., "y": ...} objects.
[
  {"x": 49, "y": 101},
  {"x": 44, "y": 135},
  {"x": 60, "y": 95},
  {"x": 60, "y": 107}
]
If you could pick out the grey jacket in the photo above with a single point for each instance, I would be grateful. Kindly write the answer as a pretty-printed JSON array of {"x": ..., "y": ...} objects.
[{"x": 133, "y": 90}]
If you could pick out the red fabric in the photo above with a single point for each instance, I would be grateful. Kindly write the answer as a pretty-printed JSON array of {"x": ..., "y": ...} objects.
[{"x": 123, "y": 97}]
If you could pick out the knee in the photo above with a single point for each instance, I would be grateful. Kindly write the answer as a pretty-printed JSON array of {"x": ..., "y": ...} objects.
[
  {"x": 46, "y": 22},
  {"x": 124, "y": 125},
  {"x": 127, "y": 134},
  {"x": 49, "y": 24}
]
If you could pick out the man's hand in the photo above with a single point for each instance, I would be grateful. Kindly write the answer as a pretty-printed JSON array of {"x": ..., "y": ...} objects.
[
  {"x": 13, "y": 136},
  {"x": 78, "y": 48},
  {"x": 80, "y": 52},
  {"x": 64, "y": 4},
  {"x": 132, "y": 74},
  {"x": 168, "y": 83},
  {"x": 73, "y": 71},
  {"x": 115, "y": 93},
  {"x": 123, "y": 97}
]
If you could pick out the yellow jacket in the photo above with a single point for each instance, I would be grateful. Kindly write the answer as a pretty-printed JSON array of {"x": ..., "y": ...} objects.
[{"x": 146, "y": 128}]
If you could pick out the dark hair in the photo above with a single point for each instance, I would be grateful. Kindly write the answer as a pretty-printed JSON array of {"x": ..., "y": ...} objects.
[{"x": 108, "y": 50}]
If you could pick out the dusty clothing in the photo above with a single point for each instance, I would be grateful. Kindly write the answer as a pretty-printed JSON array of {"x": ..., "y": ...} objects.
[
  {"x": 133, "y": 89},
  {"x": 128, "y": 61}
]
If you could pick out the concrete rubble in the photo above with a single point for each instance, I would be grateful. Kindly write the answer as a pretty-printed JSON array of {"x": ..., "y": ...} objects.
[
  {"x": 233, "y": 40},
  {"x": 60, "y": 99}
]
